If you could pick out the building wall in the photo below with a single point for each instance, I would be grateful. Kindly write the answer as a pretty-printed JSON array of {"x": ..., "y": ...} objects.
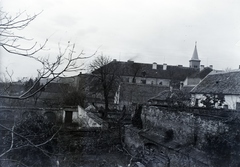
[
  {"x": 191, "y": 81},
  {"x": 231, "y": 101},
  {"x": 194, "y": 64},
  {"x": 140, "y": 80}
]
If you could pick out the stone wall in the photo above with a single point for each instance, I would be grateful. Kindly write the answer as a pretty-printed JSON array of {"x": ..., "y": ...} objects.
[
  {"x": 11, "y": 114},
  {"x": 188, "y": 137}
]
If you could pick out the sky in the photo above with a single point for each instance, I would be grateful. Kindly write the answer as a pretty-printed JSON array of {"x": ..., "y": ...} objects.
[{"x": 143, "y": 31}]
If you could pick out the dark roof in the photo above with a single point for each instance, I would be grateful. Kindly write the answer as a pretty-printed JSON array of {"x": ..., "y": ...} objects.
[
  {"x": 131, "y": 68},
  {"x": 172, "y": 72},
  {"x": 139, "y": 93},
  {"x": 56, "y": 87},
  {"x": 224, "y": 82},
  {"x": 187, "y": 88}
]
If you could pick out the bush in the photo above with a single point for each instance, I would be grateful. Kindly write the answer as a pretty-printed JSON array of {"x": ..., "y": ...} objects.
[{"x": 32, "y": 142}]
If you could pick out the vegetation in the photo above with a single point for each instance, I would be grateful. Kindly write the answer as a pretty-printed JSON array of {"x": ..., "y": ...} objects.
[
  {"x": 29, "y": 142},
  {"x": 213, "y": 100}
]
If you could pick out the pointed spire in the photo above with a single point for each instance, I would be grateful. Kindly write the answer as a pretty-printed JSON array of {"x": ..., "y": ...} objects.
[{"x": 195, "y": 53}]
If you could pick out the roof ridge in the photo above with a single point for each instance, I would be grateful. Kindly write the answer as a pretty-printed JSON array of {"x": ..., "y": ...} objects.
[{"x": 223, "y": 72}]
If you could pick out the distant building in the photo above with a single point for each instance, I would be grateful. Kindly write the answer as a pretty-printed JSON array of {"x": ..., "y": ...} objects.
[
  {"x": 154, "y": 74},
  {"x": 161, "y": 74},
  {"x": 141, "y": 77}
]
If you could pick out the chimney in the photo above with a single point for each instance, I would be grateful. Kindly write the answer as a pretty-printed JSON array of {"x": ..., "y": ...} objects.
[
  {"x": 114, "y": 60},
  {"x": 211, "y": 66},
  {"x": 239, "y": 67},
  {"x": 201, "y": 67},
  {"x": 154, "y": 66},
  {"x": 164, "y": 66}
]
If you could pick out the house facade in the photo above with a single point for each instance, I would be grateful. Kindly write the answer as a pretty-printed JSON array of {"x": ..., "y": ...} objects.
[{"x": 218, "y": 85}]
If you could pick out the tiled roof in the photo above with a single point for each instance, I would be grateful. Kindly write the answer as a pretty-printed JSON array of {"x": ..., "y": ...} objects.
[
  {"x": 131, "y": 68},
  {"x": 139, "y": 93},
  {"x": 224, "y": 82}
]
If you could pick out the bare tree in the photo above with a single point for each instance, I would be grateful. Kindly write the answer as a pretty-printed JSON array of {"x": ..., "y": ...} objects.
[
  {"x": 66, "y": 60},
  {"x": 136, "y": 69},
  {"x": 105, "y": 78}
]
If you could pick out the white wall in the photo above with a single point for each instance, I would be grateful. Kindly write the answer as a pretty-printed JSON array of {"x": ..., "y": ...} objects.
[
  {"x": 83, "y": 116},
  {"x": 155, "y": 81},
  {"x": 230, "y": 100}
]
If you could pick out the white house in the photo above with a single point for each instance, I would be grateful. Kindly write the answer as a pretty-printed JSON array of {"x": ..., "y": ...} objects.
[{"x": 226, "y": 84}]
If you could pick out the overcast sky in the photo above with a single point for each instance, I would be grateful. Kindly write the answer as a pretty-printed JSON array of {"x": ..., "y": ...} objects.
[{"x": 162, "y": 31}]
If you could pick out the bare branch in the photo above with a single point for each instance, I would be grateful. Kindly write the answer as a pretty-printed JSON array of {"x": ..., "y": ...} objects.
[
  {"x": 9, "y": 41},
  {"x": 30, "y": 143},
  {"x": 53, "y": 70}
]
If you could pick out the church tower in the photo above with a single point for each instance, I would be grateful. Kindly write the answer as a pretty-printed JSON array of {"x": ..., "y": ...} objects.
[{"x": 194, "y": 62}]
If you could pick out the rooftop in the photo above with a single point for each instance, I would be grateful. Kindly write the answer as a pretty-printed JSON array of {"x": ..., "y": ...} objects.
[
  {"x": 164, "y": 71},
  {"x": 222, "y": 82}
]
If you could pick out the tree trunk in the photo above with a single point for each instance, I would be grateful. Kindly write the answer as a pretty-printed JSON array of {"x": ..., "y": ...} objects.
[{"x": 105, "y": 113}]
